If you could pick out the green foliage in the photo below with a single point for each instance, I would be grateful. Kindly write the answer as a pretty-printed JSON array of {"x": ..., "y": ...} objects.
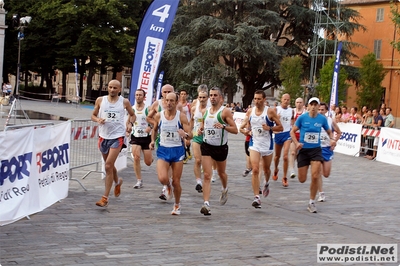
[
  {"x": 223, "y": 42},
  {"x": 291, "y": 73},
  {"x": 325, "y": 82},
  {"x": 372, "y": 74}
]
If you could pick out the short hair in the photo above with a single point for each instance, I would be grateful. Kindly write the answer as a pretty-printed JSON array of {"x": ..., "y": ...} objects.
[
  {"x": 216, "y": 89},
  {"x": 144, "y": 93},
  {"x": 261, "y": 92},
  {"x": 390, "y": 109},
  {"x": 325, "y": 105},
  {"x": 183, "y": 90},
  {"x": 202, "y": 87},
  {"x": 355, "y": 109}
]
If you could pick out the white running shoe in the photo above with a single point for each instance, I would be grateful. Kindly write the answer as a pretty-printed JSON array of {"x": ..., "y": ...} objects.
[
  {"x": 311, "y": 208},
  {"x": 256, "y": 203},
  {"x": 321, "y": 197},
  {"x": 176, "y": 210},
  {"x": 139, "y": 184},
  {"x": 224, "y": 197},
  {"x": 205, "y": 209}
]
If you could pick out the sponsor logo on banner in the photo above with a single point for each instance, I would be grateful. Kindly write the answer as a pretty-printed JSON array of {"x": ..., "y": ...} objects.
[
  {"x": 389, "y": 146},
  {"x": 350, "y": 140}
]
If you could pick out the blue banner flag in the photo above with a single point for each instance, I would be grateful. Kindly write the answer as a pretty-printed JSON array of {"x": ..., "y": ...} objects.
[
  {"x": 153, "y": 35},
  {"x": 159, "y": 85},
  {"x": 335, "y": 80},
  {"x": 76, "y": 78}
]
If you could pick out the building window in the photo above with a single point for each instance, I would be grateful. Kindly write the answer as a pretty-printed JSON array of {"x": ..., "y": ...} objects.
[
  {"x": 379, "y": 14},
  {"x": 377, "y": 48}
]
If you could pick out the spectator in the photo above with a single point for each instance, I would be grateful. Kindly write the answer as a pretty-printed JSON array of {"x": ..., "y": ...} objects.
[
  {"x": 238, "y": 108},
  {"x": 338, "y": 114},
  {"x": 345, "y": 114},
  {"x": 389, "y": 122}
]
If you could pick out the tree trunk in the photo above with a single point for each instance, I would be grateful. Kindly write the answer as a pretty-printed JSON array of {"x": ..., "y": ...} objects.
[{"x": 64, "y": 82}]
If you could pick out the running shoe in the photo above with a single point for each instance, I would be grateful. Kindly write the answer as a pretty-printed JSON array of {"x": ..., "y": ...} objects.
[
  {"x": 224, "y": 197},
  {"x": 117, "y": 189},
  {"x": 246, "y": 172},
  {"x": 265, "y": 190},
  {"x": 321, "y": 197},
  {"x": 185, "y": 160},
  {"x": 168, "y": 193},
  {"x": 213, "y": 178},
  {"x": 176, "y": 210},
  {"x": 256, "y": 203},
  {"x": 139, "y": 184},
  {"x": 292, "y": 175},
  {"x": 163, "y": 191},
  {"x": 206, "y": 210},
  {"x": 285, "y": 182},
  {"x": 199, "y": 188},
  {"x": 275, "y": 176},
  {"x": 311, "y": 208},
  {"x": 103, "y": 202},
  {"x": 190, "y": 156}
]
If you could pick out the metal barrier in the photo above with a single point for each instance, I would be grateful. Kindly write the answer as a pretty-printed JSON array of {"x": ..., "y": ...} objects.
[
  {"x": 83, "y": 147},
  {"x": 369, "y": 135}
]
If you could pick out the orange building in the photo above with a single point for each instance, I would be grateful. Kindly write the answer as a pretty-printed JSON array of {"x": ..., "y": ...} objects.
[{"x": 381, "y": 32}]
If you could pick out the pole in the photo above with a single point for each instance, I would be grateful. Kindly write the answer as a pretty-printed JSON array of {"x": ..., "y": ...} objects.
[{"x": 18, "y": 68}]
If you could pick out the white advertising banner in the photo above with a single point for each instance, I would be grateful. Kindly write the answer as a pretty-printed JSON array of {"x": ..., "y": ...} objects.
[
  {"x": 350, "y": 140},
  {"x": 34, "y": 171},
  {"x": 389, "y": 146}
]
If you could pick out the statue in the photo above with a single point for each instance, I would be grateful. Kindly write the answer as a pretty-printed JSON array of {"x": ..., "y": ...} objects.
[{"x": 2, "y": 4}]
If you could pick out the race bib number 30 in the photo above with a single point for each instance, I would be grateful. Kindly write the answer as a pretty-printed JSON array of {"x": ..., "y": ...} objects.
[{"x": 211, "y": 133}]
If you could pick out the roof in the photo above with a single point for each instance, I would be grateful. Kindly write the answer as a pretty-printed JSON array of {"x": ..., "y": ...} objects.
[{"x": 363, "y": 2}]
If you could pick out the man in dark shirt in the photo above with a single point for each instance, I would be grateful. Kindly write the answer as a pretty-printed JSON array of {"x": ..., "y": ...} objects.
[{"x": 378, "y": 122}]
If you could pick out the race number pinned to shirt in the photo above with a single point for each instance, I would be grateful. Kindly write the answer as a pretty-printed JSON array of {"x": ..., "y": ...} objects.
[
  {"x": 112, "y": 115},
  {"x": 311, "y": 137},
  {"x": 169, "y": 134}
]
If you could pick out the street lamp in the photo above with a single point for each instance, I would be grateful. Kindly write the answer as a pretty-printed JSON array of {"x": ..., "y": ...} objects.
[{"x": 22, "y": 25}]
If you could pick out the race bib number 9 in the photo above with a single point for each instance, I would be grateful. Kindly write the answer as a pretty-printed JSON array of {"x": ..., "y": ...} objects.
[{"x": 258, "y": 132}]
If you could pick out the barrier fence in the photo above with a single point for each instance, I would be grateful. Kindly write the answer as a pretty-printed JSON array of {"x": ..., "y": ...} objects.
[{"x": 83, "y": 151}]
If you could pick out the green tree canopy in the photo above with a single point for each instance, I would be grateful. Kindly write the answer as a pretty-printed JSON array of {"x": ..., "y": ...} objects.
[
  {"x": 325, "y": 82},
  {"x": 291, "y": 74},
  {"x": 223, "y": 42}
]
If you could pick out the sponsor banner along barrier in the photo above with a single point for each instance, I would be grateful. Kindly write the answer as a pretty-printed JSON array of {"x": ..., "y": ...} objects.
[
  {"x": 34, "y": 170},
  {"x": 350, "y": 140},
  {"x": 389, "y": 146}
]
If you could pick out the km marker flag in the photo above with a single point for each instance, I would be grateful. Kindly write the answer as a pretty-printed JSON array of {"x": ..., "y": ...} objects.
[{"x": 153, "y": 35}]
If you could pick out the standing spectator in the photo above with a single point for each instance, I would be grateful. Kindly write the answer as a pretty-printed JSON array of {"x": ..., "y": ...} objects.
[
  {"x": 354, "y": 116},
  {"x": 338, "y": 114},
  {"x": 345, "y": 114},
  {"x": 377, "y": 123},
  {"x": 109, "y": 111},
  {"x": 238, "y": 107},
  {"x": 389, "y": 122}
]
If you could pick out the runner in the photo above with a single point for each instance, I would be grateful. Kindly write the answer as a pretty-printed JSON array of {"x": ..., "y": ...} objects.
[
  {"x": 171, "y": 126},
  {"x": 188, "y": 112},
  {"x": 109, "y": 112},
  {"x": 261, "y": 119},
  {"x": 327, "y": 150},
  {"x": 140, "y": 137},
  {"x": 309, "y": 147},
  {"x": 300, "y": 109},
  {"x": 283, "y": 139},
  {"x": 218, "y": 121}
]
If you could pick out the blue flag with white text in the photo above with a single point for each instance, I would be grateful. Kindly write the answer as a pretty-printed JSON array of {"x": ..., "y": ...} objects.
[
  {"x": 335, "y": 79},
  {"x": 153, "y": 35}
]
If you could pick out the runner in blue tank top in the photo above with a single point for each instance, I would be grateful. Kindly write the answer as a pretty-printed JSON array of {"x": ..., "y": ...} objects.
[{"x": 309, "y": 146}]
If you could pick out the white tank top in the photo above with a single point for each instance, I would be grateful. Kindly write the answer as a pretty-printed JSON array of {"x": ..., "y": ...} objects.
[
  {"x": 285, "y": 115},
  {"x": 168, "y": 131},
  {"x": 211, "y": 135},
  {"x": 198, "y": 119},
  {"x": 113, "y": 113},
  {"x": 325, "y": 140},
  {"x": 186, "y": 111},
  {"x": 261, "y": 138},
  {"x": 141, "y": 124}
]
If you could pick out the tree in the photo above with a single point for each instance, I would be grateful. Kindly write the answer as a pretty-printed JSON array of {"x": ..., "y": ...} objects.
[
  {"x": 223, "y": 42},
  {"x": 291, "y": 73},
  {"x": 372, "y": 74},
  {"x": 325, "y": 82}
]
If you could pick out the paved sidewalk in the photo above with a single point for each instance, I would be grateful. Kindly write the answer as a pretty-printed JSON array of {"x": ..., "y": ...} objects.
[{"x": 137, "y": 228}]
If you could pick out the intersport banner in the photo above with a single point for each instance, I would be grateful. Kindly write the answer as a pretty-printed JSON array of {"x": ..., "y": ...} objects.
[
  {"x": 153, "y": 35},
  {"x": 350, "y": 140},
  {"x": 34, "y": 171},
  {"x": 389, "y": 146}
]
